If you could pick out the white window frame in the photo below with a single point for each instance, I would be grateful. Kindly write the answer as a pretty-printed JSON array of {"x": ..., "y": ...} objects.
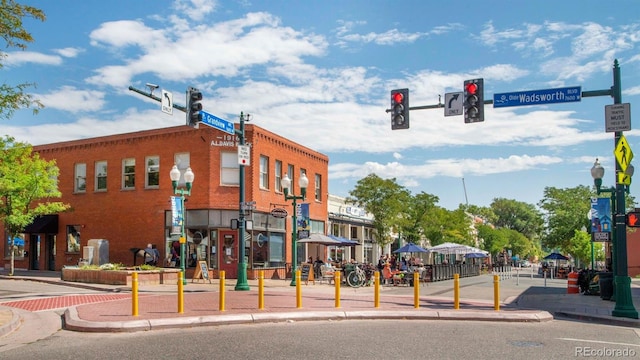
[
  {"x": 264, "y": 172},
  {"x": 278, "y": 176},
  {"x": 152, "y": 169},
  {"x": 101, "y": 174},
  {"x": 128, "y": 176},
  {"x": 80, "y": 178},
  {"x": 229, "y": 169}
]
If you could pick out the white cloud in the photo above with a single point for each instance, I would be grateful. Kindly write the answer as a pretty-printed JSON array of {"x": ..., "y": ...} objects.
[
  {"x": 18, "y": 58},
  {"x": 196, "y": 10},
  {"x": 70, "y": 99},
  {"x": 69, "y": 52}
]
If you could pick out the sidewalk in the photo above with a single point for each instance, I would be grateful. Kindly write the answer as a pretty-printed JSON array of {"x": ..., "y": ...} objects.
[{"x": 522, "y": 299}]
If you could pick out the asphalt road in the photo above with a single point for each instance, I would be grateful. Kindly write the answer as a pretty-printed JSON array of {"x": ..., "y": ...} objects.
[{"x": 352, "y": 339}]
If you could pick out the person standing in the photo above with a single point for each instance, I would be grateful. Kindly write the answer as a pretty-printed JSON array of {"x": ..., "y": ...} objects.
[{"x": 150, "y": 255}]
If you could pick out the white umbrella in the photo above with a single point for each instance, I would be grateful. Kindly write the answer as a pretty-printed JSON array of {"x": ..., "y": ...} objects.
[
  {"x": 317, "y": 238},
  {"x": 450, "y": 248}
]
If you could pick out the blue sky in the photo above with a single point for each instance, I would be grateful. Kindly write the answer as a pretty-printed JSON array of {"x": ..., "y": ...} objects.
[{"x": 320, "y": 73}]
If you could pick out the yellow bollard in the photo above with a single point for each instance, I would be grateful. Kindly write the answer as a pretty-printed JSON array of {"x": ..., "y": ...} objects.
[
  {"x": 180, "y": 293},
  {"x": 134, "y": 294},
  {"x": 298, "y": 290},
  {"x": 416, "y": 290},
  {"x": 376, "y": 289},
  {"x": 336, "y": 281},
  {"x": 261, "y": 290},
  {"x": 496, "y": 293},
  {"x": 221, "y": 299},
  {"x": 456, "y": 291}
]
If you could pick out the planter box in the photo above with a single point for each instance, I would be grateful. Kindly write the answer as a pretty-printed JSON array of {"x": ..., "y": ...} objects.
[{"x": 120, "y": 277}]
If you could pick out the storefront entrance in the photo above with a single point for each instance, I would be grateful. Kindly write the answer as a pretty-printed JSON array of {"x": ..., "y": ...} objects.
[{"x": 228, "y": 245}]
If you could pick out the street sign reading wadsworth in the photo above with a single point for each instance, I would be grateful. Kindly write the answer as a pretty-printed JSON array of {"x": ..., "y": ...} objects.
[
  {"x": 218, "y": 123},
  {"x": 538, "y": 97}
]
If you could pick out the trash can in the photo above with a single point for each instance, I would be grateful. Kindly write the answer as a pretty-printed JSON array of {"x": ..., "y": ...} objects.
[{"x": 605, "y": 281}]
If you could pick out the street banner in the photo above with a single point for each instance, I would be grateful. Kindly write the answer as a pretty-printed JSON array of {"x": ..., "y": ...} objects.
[
  {"x": 303, "y": 225},
  {"x": 177, "y": 215},
  {"x": 601, "y": 219}
]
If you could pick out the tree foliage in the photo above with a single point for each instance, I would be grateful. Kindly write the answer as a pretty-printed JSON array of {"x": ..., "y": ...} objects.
[
  {"x": 13, "y": 97},
  {"x": 385, "y": 200},
  {"x": 27, "y": 184},
  {"x": 519, "y": 216}
]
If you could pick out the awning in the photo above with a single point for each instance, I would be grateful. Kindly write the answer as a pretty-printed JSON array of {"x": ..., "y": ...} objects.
[{"x": 45, "y": 224}]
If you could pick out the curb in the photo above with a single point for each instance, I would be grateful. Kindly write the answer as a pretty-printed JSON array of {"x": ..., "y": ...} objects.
[
  {"x": 599, "y": 319},
  {"x": 73, "y": 322},
  {"x": 10, "y": 325}
]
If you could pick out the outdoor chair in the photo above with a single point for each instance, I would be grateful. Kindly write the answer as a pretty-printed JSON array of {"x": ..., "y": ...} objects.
[{"x": 327, "y": 275}]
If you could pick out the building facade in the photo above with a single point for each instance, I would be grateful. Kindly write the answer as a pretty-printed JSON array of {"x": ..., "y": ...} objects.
[
  {"x": 352, "y": 223},
  {"x": 121, "y": 194}
]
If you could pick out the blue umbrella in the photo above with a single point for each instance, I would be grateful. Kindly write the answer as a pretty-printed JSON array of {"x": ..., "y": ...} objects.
[
  {"x": 475, "y": 255},
  {"x": 555, "y": 256},
  {"x": 410, "y": 248}
]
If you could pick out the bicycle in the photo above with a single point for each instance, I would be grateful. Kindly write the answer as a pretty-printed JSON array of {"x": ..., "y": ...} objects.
[{"x": 357, "y": 277}]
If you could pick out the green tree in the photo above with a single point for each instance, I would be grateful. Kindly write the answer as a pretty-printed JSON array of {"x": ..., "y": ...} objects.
[
  {"x": 493, "y": 240},
  {"x": 566, "y": 211},
  {"x": 13, "y": 97},
  {"x": 419, "y": 210},
  {"x": 519, "y": 216},
  {"x": 27, "y": 183},
  {"x": 385, "y": 199}
]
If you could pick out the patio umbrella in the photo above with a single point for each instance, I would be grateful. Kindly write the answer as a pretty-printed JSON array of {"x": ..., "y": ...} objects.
[
  {"x": 344, "y": 241},
  {"x": 475, "y": 255},
  {"x": 556, "y": 256},
  {"x": 410, "y": 248},
  {"x": 317, "y": 238},
  {"x": 450, "y": 248}
]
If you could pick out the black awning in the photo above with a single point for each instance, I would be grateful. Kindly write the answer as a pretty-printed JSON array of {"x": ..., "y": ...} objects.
[{"x": 45, "y": 224}]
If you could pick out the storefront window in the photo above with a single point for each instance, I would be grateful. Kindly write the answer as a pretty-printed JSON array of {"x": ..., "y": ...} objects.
[
  {"x": 73, "y": 238},
  {"x": 18, "y": 243},
  {"x": 268, "y": 251}
]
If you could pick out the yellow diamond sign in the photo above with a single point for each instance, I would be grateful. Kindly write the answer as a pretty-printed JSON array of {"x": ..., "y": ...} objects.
[
  {"x": 623, "y": 153},
  {"x": 624, "y": 178}
]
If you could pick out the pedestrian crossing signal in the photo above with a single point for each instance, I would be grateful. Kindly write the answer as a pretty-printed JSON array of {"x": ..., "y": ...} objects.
[{"x": 633, "y": 219}]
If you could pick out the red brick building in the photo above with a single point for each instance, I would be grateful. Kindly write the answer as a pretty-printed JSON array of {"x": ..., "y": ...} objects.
[{"x": 119, "y": 190}]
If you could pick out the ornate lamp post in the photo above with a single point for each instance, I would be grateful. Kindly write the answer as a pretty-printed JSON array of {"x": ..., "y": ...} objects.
[
  {"x": 624, "y": 303},
  {"x": 188, "y": 179},
  {"x": 286, "y": 183}
]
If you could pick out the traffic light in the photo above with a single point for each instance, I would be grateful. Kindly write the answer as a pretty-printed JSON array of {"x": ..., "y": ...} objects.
[
  {"x": 633, "y": 219},
  {"x": 473, "y": 101},
  {"x": 194, "y": 106},
  {"x": 399, "y": 109}
]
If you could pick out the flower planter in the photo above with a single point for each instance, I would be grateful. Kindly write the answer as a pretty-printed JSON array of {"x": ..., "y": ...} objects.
[{"x": 120, "y": 277}]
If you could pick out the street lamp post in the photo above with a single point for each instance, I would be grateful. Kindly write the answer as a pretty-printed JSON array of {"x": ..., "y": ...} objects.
[
  {"x": 624, "y": 302},
  {"x": 188, "y": 179},
  {"x": 241, "y": 282},
  {"x": 286, "y": 183}
]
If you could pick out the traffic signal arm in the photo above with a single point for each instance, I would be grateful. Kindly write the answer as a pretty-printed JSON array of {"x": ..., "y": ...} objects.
[{"x": 156, "y": 98}]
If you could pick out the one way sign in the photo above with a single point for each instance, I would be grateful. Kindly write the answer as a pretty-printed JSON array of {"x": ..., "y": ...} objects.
[{"x": 453, "y": 104}]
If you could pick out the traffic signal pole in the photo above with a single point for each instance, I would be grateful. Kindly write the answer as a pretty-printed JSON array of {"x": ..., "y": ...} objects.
[{"x": 624, "y": 303}]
